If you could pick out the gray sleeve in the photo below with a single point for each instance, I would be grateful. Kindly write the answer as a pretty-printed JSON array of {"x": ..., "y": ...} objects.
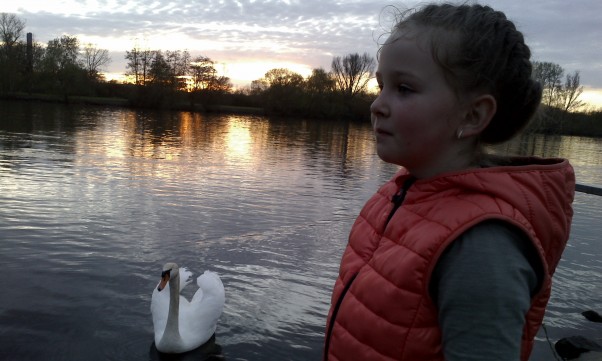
[{"x": 482, "y": 286}]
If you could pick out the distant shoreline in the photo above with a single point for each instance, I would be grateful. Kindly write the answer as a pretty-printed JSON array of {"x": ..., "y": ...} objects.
[
  {"x": 123, "y": 102},
  {"x": 550, "y": 121}
]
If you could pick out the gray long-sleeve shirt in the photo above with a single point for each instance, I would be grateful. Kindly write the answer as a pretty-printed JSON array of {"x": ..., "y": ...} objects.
[{"x": 482, "y": 286}]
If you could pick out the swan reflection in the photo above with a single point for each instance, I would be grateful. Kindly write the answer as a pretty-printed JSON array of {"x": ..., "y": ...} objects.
[{"x": 209, "y": 351}]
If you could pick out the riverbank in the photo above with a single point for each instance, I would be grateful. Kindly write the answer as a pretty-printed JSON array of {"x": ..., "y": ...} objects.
[
  {"x": 123, "y": 102},
  {"x": 549, "y": 121},
  {"x": 66, "y": 99}
]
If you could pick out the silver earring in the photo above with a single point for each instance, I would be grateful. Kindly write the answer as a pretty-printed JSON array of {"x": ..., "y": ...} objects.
[{"x": 459, "y": 133}]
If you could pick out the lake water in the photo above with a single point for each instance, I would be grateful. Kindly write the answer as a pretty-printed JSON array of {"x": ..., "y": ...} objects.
[{"x": 94, "y": 200}]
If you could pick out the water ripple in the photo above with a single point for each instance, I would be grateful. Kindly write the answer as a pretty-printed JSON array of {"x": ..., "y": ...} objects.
[{"x": 95, "y": 200}]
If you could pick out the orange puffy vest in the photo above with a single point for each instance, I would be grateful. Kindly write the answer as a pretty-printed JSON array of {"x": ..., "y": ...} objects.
[{"x": 381, "y": 308}]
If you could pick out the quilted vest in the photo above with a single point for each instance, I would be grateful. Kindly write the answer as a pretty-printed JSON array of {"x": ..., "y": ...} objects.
[{"x": 381, "y": 308}]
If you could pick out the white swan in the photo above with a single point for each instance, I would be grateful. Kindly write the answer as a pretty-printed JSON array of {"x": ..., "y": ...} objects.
[{"x": 182, "y": 326}]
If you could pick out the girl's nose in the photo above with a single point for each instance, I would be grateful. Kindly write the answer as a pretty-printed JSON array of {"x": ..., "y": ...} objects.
[{"x": 378, "y": 107}]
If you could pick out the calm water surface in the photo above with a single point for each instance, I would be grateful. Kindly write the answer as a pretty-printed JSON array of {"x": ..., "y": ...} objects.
[{"x": 94, "y": 200}]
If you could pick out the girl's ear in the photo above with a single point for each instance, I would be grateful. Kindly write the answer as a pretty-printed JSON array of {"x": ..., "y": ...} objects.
[{"x": 479, "y": 113}]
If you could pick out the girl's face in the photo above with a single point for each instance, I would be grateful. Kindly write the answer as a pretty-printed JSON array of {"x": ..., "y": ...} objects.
[{"x": 416, "y": 115}]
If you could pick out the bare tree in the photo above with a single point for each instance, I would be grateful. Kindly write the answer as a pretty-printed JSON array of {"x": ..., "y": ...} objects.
[
  {"x": 146, "y": 57},
  {"x": 159, "y": 71},
  {"x": 133, "y": 65},
  {"x": 202, "y": 70},
  {"x": 550, "y": 77},
  {"x": 555, "y": 93},
  {"x": 11, "y": 29},
  {"x": 179, "y": 64},
  {"x": 353, "y": 72},
  {"x": 94, "y": 59},
  {"x": 571, "y": 92},
  {"x": 139, "y": 64}
]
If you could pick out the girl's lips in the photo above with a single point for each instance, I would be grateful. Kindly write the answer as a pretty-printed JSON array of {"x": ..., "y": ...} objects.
[{"x": 379, "y": 131}]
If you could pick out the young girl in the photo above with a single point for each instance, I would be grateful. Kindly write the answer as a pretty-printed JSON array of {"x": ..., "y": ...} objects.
[{"x": 452, "y": 259}]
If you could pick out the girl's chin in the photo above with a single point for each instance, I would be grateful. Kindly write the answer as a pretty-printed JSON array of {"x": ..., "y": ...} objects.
[{"x": 386, "y": 155}]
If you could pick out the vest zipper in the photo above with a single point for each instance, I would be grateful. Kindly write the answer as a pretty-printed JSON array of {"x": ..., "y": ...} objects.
[
  {"x": 334, "y": 316},
  {"x": 397, "y": 200}
]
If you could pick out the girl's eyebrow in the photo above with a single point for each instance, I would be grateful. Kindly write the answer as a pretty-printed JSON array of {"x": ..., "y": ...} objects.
[
  {"x": 396, "y": 74},
  {"x": 402, "y": 73}
]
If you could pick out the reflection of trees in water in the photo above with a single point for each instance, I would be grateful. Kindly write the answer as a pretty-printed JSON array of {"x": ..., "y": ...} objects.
[
  {"x": 233, "y": 139},
  {"x": 348, "y": 145},
  {"x": 240, "y": 138},
  {"x": 579, "y": 150},
  {"x": 32, "y": 117},
  {"x": 48, "y": 126},
  {"x": 165, "y": 134}
]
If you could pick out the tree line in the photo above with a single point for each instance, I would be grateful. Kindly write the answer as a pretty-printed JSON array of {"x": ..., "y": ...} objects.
[
  {"x": 176, "y": 79},
  {"x": 62, "y": 66},
  {"x": 171, "y": 77}
]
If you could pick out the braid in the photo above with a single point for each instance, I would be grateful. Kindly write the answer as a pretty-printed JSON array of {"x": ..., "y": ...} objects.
[{"x": 479, "y": 49}]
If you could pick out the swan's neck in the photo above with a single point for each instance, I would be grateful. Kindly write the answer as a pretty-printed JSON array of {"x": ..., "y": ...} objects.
[{"x": 172, "y": 328}]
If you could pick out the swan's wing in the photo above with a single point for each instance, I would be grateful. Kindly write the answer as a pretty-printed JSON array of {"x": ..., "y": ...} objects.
[
  {"x": 185, "y": 277},
  {"x": 207, "y": 304},
  {"x": 211, "y": 283},
  {"x": 198, "y": 296},
  {"x": 198, "y": 319}
]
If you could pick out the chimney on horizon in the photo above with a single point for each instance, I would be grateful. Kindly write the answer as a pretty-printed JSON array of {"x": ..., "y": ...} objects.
[{"x": 29, "y": 52}]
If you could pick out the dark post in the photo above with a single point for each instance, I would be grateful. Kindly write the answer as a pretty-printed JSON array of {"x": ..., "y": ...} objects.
[{"x": 29, "y": 52}]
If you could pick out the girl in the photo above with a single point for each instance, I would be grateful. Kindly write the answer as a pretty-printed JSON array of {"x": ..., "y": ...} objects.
[{"x": 452, "y": 259}]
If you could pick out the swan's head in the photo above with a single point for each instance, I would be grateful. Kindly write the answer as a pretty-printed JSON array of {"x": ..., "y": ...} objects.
[{"x": 170, "y": 270}]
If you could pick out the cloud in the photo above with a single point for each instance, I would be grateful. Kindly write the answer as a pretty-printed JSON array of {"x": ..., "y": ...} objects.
[
  {"x": 307, "y": 32},
  {"x": 564, "y": 32}
]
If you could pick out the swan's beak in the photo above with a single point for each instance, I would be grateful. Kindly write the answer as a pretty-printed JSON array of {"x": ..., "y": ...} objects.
[{"x": 164, "y": 280}]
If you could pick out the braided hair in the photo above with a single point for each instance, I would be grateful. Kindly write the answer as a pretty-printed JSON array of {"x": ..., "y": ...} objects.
[{"x": 479, "y": 49}]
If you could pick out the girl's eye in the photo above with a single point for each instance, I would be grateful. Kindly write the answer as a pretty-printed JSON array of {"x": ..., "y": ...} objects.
[{"x": 404, "y": 89}]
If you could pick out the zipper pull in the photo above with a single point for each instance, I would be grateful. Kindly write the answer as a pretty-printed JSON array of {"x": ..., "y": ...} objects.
[{"x": 398, "y": 198}]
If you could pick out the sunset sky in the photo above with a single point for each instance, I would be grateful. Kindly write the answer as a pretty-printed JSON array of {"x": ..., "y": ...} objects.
[{"x": 246, "y": 38}]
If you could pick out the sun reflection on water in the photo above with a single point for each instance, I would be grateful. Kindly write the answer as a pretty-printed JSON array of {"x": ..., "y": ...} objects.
[{"x": 238, "y": 140}]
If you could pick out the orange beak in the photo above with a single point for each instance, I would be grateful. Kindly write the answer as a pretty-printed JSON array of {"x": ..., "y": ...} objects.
[{"x": 164, "y": 280}]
